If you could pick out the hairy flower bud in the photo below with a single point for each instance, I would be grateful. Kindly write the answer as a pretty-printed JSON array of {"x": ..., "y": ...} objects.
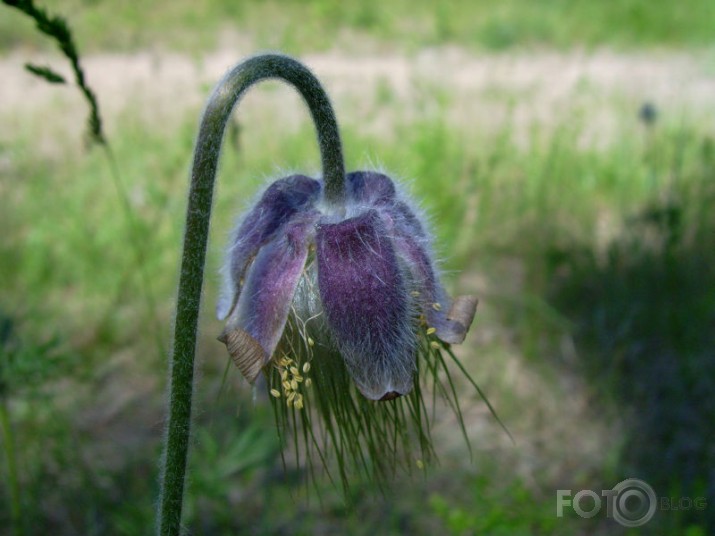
[{"x": 368, "y": 289}]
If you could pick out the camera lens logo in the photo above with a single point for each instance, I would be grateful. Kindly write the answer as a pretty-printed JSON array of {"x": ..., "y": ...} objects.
[{"x": 634, "y": 503}]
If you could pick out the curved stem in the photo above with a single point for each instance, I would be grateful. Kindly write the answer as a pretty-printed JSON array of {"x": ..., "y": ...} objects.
[{"x": 206, "y": 156}]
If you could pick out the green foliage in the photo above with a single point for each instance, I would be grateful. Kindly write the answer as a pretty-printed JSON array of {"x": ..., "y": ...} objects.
[
  {"x": 241, "y": 450},
  {"x": 28, "y": 361},
  {"x": 640, "y": 308},
  {"x": 480, "y": 24},
  {"x": 498, "y": 509}
]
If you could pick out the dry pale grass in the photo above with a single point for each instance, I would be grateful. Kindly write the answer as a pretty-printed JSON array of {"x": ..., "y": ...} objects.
[{"x": 373, "y": 92}]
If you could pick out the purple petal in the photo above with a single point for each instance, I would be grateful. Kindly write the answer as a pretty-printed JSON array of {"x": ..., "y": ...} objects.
[
  {"x": 408, "y": 222},
  {"x": 257, "y": 322},
  {"x": 281, "y": 201},
  {"x": 450, "y": 319},
  {"x": 370, "y": 188},
  {"x": 366, "y": 304}
]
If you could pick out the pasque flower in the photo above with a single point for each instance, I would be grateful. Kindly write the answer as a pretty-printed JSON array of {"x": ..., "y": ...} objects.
[
  {"x": 329, "y": 283},
  {"x": 363, "y": 274}
]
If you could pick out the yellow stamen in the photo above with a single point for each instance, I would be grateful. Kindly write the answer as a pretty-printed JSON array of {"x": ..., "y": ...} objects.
[
  {"x": 308, "y": 382},
  {"x": 436, "y": 307},
  {"x": 306, "y": 367},
  {"x": 311, "y": 342},
  {"x": 434, "y": 344},
  {"x": 294, "y": 385},
  {"x": 275, "y": 393},
  {"x": 430, "y": 331},
  {"x": 294, "y": 370}
]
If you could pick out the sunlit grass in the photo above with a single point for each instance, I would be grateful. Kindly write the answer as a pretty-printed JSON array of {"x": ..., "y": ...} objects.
[{"x": 480, "y": 25}]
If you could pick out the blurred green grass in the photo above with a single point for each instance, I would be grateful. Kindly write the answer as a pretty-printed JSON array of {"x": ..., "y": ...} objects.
[
  {"x": 323, "y": 24},
  {"x": 594, "y": 266}
]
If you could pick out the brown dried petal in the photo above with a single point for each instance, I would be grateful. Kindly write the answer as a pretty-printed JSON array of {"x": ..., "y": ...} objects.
[
  {"x": 245, "y": 351},
  {"x": 459, "y": 319}
]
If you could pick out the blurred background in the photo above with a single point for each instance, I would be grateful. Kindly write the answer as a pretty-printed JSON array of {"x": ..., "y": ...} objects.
[{"x": 565, "y": 151}]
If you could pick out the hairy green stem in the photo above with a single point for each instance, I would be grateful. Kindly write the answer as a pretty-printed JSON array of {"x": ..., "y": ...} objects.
[
  {"x": 13, "y": 483},
  {"x": 206, "y": 156}
]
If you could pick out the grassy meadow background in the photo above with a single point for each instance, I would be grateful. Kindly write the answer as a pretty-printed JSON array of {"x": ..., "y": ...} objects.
[{"x": 566, "y": 154}]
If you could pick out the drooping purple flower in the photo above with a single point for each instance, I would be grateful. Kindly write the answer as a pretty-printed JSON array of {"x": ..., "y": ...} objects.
[{"x": 373, "y": 284}]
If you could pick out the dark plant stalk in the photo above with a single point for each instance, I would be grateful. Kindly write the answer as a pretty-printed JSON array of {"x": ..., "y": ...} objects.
[
  {"x": 58, "y": 30},
  {"x": 206, "y": 156}
]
